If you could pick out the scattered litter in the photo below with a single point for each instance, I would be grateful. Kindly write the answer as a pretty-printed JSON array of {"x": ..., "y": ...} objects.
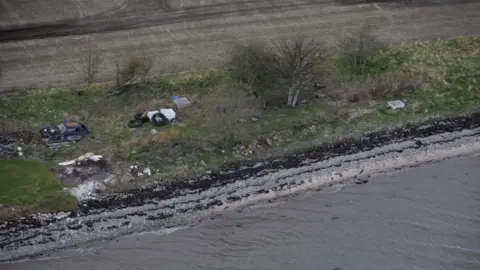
[
  {"x": 139, "y": 172},
  {"x": 134, "y": 123},
  {"x": 396, "y": 104},
  {"x": 83, "y": 160},
  {"x": 87, "y": 190},
  {"x": 10, "y": 147},
  {"x": 64, "y": 133},
  {"x": 154, "y": 131},
  {"x": 181, "y": 102},
  {"x": 157, "y": 117},
  {"x": 162, "y": 116},
  {"x": 147, "y": 171}
]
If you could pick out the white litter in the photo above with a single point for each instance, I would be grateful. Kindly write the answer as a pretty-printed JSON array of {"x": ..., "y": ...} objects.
[
  {"x": 87, "y": 189},
  {"x": 168, "y": 113},
  {"x": 147, "y": 171},
  {"x": 88, "y": 156},
  {"x": 396, "y": 104}
]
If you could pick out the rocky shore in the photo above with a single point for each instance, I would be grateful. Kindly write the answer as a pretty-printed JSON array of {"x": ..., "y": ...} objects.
[{"x": 348, "y": 161}]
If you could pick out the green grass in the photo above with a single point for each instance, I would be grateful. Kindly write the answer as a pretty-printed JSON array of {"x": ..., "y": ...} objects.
[
  {"x": 30, "y": 185},
  {"x": 448, "y": 72}
]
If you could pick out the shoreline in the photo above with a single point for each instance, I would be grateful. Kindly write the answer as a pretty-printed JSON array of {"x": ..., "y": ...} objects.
[{"x": 132, "y": 211}]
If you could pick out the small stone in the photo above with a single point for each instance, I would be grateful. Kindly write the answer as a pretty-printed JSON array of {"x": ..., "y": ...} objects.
[
  {"x": 254, "y": 119},
  {"x": 259, "y": 164},
  {"x": 268, "y": 141},
  {"x": 202, "y": 163},
  {"x": 154, "y": 131}
]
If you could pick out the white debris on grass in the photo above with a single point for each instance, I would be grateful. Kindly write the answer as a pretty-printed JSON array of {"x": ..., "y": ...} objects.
[
  {"x": 396, "y": 104},
  {"x": 81, "y": 159},
  {"x": 87, "y": 190},
  {"x": 136, "y": 170}
]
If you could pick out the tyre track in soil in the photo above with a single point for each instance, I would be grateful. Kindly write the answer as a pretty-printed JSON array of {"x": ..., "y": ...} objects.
[{"x": 187, "y": 36}]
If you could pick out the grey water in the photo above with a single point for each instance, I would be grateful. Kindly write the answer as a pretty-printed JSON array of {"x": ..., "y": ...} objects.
[{"x": 426, "y": 217}]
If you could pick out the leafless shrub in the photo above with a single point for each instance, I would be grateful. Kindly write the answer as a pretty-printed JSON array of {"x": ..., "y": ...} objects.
[
  {"x": 132, "y": 70},
  {"x": 288, "y": 66},
  {"x": 247, "y": 67},
  {"x": 90, "y": 64},
  {"x": 358, "y": 52}
]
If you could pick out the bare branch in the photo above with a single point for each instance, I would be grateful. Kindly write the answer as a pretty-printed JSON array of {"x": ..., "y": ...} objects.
[
  {"x": 133, "y": 70},
  {"x": 90, "y": 65},
  {"x": 1, "y": 70}
]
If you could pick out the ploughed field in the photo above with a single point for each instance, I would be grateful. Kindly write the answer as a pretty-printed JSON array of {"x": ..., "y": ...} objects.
[{"x": 191, "y": 34}]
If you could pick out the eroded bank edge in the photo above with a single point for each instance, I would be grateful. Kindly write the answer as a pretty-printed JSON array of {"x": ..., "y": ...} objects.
[{"x": 237, "y": 171}]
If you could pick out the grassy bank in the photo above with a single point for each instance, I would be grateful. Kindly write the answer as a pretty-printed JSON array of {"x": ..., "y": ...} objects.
[
  {"x": 30, "y": 187},
  {"x": 435, "y": 78}
]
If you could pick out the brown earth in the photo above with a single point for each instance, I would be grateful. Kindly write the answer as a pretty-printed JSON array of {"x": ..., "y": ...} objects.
[
  {"x": 22, "y": 13},
  {"x": 189, "y": 35}
]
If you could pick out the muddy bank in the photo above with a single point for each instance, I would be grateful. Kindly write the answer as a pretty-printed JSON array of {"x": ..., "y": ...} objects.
[{"x": 162, "y": 205}]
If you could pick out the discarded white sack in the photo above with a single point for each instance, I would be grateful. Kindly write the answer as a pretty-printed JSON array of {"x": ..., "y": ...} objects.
[{"x": 82, "y": 159}]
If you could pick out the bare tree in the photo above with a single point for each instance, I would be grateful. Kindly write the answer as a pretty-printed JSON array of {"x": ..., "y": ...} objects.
[
  {"x": 90, "y": 63},
  {"x": 287, "y": 66},
  {"x": 295, "y": 62}
]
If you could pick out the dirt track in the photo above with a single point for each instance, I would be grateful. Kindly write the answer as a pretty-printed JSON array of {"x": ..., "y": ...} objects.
[{"x": 192, "y": 34}]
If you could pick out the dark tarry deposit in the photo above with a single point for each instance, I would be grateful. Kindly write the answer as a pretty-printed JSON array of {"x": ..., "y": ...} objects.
[{"x": 127, "y": 212}]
